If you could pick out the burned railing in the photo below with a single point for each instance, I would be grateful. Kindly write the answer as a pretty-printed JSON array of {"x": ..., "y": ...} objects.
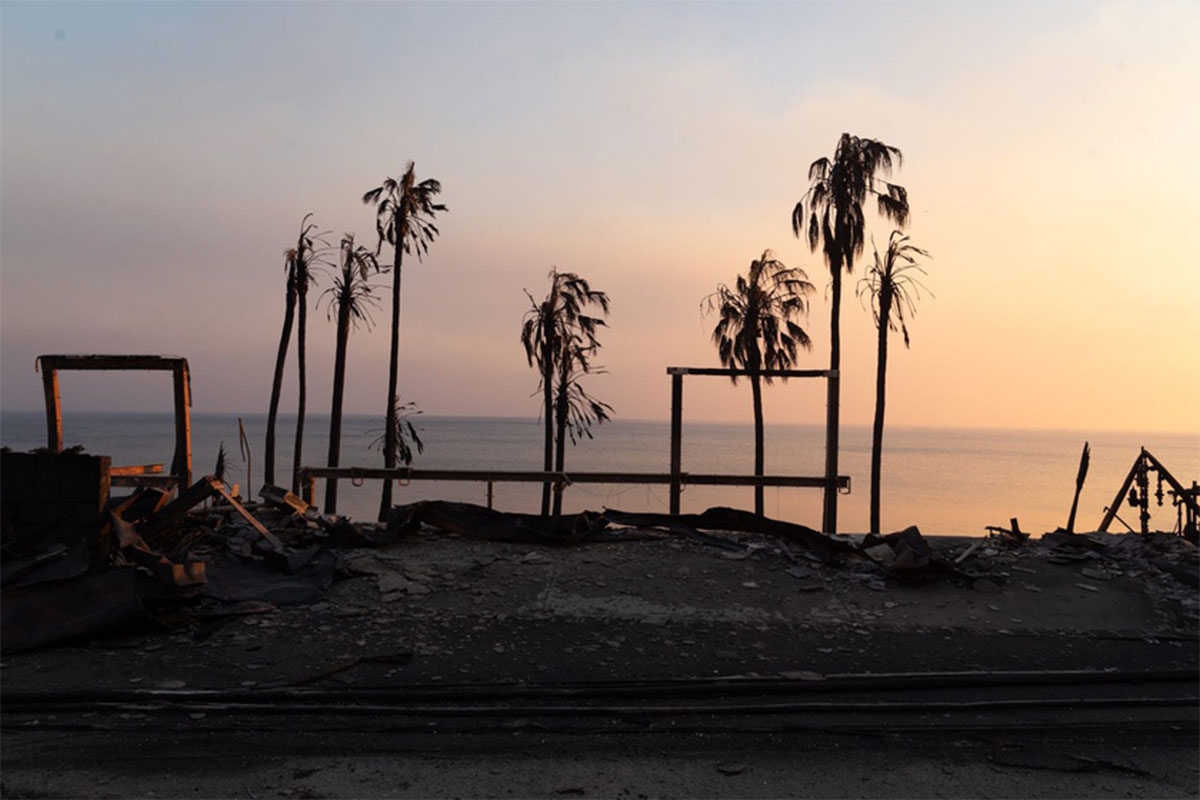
[{"x": 308, "y": 476}]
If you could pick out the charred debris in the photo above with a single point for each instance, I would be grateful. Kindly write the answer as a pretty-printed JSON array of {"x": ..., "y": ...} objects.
[{"x": 79, "y": 563}]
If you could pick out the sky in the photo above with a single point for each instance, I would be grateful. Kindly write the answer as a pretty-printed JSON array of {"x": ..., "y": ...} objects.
[{"x": 156, "y": 160}]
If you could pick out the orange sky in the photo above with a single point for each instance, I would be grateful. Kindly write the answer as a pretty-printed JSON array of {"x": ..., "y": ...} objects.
[{"x": 156, "y": 161}]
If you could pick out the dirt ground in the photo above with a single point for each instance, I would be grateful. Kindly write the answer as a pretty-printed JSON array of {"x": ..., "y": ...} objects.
[{"x": 438, "y": 610}]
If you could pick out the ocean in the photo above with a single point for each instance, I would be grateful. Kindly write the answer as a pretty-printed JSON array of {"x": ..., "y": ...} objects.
[{"x": 945, "y": 481}]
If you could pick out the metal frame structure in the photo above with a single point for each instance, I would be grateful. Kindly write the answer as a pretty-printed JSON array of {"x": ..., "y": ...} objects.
[
  {"x": 831, "y": 483},
  {"x": 1187, "y": 499},
  {"x": 181, "y": 463},
  {"x": 675, "y": 479}
]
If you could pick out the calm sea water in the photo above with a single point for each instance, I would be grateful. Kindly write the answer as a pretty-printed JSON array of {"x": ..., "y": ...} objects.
[{"x": 944, "y": 481}]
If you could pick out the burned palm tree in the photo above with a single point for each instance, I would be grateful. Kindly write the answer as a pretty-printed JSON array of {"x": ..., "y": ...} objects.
[
  {"x": 308, "y": 256},
  {"x": 299, "y": 255},
  {"x": 574, "y": 410},
  {"x": 350, "y": 299},
  {"x": 555, "y": 333},
  {"x": 831, "y": 213},
  {"x": 403, "y": 433},
  {"x": 755, "y": 331},
  {"x": 894, "y": 290},
  {"x": 404, "y": 214}
]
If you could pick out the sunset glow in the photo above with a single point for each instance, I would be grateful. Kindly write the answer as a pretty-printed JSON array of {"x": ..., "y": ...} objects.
[{"x": 157, "y": 159}]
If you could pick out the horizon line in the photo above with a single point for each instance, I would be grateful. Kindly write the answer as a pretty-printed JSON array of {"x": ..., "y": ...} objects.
[{"x": 665, "y": 420}]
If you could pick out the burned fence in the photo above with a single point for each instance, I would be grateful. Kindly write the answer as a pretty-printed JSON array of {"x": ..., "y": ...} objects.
[{"x": 309, "y": 475}]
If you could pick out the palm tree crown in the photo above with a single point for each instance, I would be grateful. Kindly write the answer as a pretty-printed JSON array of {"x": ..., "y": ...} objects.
[
  {"x": 351, "y": 287},
  {"x": 755, "y": 328},
  {"x": 892, "y": 286},
  {"x": 548, "y": 325},
  {"x": 404, "y": 212},
  {"x": 834, "y": 201}
]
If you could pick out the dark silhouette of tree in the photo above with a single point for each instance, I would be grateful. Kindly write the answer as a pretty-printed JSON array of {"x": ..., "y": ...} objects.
[
  {"x": 558, "y": 339},
  {"x": 893, "y": 290},
  {"x": 309, "y": 255},
  {"x": 404, "y": 214},
  {"x": 575, "y": 411},
  {"x": 297, "y": 263},
  {"x": 289, "y": 316},
  {"x": 350, "y": 299},
  {"x": 831, "y": 212},
  {"x": 755, "y": 331},
  {"x": 403, "y": 433}
]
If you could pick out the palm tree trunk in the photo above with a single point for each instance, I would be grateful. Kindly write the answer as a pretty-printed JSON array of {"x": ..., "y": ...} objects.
[
  {"x": 335, "y": 409},
  {"x": 301, "y": 329},
  {"x": 560, "y": 423},
  {"x": 885, "y": 310},
  {"x": 289, "y": 315},
  {"x": 389, "y": 433},
  {"x": 832, "y": 400},
  {"x": 548, "y": 406},
  {"x": 756, "y": 390}
]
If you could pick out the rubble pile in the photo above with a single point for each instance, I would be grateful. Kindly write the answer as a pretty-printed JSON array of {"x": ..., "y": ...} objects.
[
  {"x": 79, "y": 564},
  {"x": 147, "y": 560}
]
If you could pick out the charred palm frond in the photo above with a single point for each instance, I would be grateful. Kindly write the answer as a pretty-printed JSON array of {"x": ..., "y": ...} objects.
[
  {"x": 583, "y": 410},
  {"x": 405, "y": 433},
  {"x": 892, "y": 278},
  {"x": 351, "y": 285},
  {"x": 309, "y": 258},
  {"x": 404, "y": 212},
  {"x": 551, "y": 322},
  {"x": 219, "y": 469},
  {"x": 756, "y": 326}
]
